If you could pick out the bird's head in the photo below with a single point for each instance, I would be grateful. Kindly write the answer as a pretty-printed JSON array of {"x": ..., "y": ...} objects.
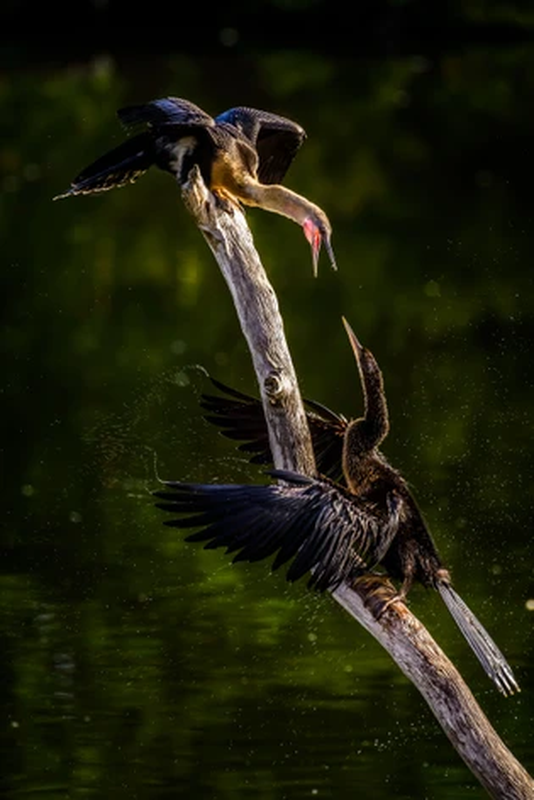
[
  {"x": 367, "y": 365},
  {"x": 318, "y": 231}
]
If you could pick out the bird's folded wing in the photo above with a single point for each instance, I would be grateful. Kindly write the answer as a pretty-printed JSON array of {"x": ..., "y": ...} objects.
[
  {"x": 241, "y": 417},
  {"x": 166, "y": 111},
  {"x": 320, "y": 526}
]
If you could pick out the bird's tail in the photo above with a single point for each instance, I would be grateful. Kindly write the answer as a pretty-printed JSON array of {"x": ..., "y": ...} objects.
[
  {"x": 481, "y": 643},
  {"x": 120, "y": 166}
]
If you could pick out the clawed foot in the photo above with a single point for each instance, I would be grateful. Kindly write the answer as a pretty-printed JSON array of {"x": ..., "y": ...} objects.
[
  {"x": 378, "y": 594},
  {"x": 399, "y": 597}
]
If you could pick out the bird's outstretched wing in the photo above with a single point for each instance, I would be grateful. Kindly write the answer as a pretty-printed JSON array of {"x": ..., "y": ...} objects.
[
  {"x": 166, "y": 111},
  {"x": 320, "y": 525},
  {"x": 122, "y": 165},
  {"x": 275, "y": 138},
  {"x": 242, "y": 419}
]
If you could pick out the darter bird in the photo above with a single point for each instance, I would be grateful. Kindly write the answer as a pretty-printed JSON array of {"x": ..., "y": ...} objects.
[
  {"x": 340, "y": 525},
  {"x": 242, "y": 154}
]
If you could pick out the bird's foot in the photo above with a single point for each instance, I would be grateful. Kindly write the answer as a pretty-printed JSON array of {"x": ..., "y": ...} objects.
[
  {"x": 378, "y": 594},
  {"x": 225, "y": 200},
  {"x": 398, "y": 597}
]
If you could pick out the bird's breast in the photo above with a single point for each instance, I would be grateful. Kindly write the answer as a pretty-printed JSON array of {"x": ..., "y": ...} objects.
[{"x": 231, "y": 174}]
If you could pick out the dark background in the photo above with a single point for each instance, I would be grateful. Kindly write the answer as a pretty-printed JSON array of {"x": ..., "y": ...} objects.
[{"x": 134, "y": 664}]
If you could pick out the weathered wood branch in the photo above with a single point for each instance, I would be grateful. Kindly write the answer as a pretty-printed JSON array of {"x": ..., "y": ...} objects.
[
  {"x": 228, "y": 235},
  {"x": 398, "y": 630},
  {"x": 421, "y": 659}
]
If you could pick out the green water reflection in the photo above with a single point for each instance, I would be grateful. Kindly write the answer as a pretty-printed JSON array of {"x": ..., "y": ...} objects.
[{"x": 134, "y": 665}]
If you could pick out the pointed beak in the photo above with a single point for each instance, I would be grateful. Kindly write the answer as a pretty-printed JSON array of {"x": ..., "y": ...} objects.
[
  {"x": 313, "y": 235},
  {"x": 316, "y": 249},
  {"x": 354, "y": 341},
  {"x": 328, "y": 248},
  {"x": 316, "y": 238}
]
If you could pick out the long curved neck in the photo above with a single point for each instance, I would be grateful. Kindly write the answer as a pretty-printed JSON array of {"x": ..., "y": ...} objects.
[
  {"x": 363, "y": 436},
  {"x": 374, "y": 398},
  {"x": 359, "y": 453},
  {"x": 273, "y": 197}
]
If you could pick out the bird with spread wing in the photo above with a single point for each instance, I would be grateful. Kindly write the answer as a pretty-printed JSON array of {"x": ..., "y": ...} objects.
[
  {"x": 356, "y": 515},
  {"x": 243, "y": 154}
]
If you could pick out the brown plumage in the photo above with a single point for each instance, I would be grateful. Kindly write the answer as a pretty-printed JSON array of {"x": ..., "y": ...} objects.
[
  {"x": 337, "y": 531},
  {"x": 243, "y": 154}
]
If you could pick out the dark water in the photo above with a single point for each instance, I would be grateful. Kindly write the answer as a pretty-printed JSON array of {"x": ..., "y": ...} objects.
[{"x": 134, "y": 665}]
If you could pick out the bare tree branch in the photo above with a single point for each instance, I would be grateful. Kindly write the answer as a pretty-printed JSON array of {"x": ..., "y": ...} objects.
[
  {"x": 398, "y": 630},
  {"x": 230, "y": 240}
]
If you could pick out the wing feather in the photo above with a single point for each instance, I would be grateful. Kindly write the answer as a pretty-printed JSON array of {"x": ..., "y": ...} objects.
[
  {"x": 276, "y": 139},
  {"x": 322, "y": 527},
  {"x": 122, "y": 165},
  {"x": 242, "y": 419},
  {"x": 166, "y": 111}
]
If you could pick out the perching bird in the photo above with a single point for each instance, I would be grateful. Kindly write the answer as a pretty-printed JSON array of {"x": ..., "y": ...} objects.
[
  {"x": 337, "y": 531},
  {"x": 242, "y": 154}
]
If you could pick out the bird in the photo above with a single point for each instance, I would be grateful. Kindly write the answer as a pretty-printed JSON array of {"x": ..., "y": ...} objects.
[
  {"x": 242, "y": 154},
  {"x": 336, "y": 528}
]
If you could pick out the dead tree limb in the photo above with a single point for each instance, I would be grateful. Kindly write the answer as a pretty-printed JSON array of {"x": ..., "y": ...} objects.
[{"x": 398, "y": 630}]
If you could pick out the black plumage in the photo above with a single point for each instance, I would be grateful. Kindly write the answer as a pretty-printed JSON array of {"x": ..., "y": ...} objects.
[
  {"x": 337, "y": 531},
  {"x": 243, "y": 155},
  {"x": 311, "y": 520},
  {"x": 242, "y": 419}
]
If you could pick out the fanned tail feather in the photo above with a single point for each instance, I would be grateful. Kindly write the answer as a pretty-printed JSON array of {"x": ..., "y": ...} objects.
[{"x": 492, "y": 660}]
